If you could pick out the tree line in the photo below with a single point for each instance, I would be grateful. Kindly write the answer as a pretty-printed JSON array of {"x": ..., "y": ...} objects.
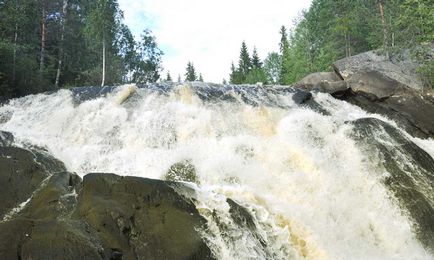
[
  {"x": 333, "y": 29},
  {"x": 49, "y": 44}
]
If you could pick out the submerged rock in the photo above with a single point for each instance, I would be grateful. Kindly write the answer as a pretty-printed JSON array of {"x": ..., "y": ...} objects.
[
  {"x": 105, "y": 216},
  {"x": 182, "y": 171},
  {"x": 411, "y": 171}
]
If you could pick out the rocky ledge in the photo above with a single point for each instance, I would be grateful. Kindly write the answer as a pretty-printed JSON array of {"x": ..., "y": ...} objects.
[
  {"x": 390, "y": 87},
  {"x": 48, "y": 213}
]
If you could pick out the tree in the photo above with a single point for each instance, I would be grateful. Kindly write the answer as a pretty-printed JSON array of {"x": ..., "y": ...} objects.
[
  {"x": 235, "y": 77},
  {"x": 168, "y": 77},
  {"x": 256, "y": 61},
  {"x": 200, "y": 77},
  {"x": 62, "y": 40},
  {"x": 272, "y": 67},
  {"x": 190, "y": 74},
  {"x": 245, "y": 63},
  {"x": 284, "y": 55},
  {"x": 101, "y": 27},
  {"x": 148, "y": 64}
]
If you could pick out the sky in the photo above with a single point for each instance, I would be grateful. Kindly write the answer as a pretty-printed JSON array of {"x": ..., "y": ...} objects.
[{"x": 209, "y": 32}]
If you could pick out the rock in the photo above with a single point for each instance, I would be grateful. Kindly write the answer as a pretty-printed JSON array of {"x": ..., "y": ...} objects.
[
  {"x": 327, "y": 82},
  {"x": 410, "y": 110},
  {"x": 375, "y": 85},
  {"x": 390, "y": 88},
  {"x": 141, "y": 218},
  {"x": 182, "y": 171},
  {"x": 301, "y": 97},
  {"x": 105, "y": 216},
  {"x": 411, "y": 171},
  {"x": 318, "y": 77},
  {"x": 20, "y": 176},
  {"x": 402, "y": 69},
  {"x": 6, "y": 139}
]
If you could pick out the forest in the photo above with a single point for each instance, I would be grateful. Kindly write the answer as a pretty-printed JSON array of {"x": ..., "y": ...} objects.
[
  {"x": 332, "y": 29},
  {"x": 51, "y": 44}
]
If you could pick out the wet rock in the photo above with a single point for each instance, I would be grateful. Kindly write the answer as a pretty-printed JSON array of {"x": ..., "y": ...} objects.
[
  {"x": 105, "y": 216},
  {"x": 20, "y": 176},
  {"x": 301, "y": 97},
  {"x": 412, "y": 111},
  {"x": 411, "y": 171},
  {"x": 141, "y": 218},
  {"x": 182, "y": 171},
  {"x": 6, "y": 138}
]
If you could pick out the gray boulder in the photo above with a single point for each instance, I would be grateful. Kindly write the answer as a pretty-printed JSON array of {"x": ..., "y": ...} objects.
[{"x": 400, "y": 68}]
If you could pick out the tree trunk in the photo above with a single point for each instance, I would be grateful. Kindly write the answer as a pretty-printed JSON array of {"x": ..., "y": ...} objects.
[
  {"x": 43, "y": 34},
  {"x": 14, "y": 66},
  {"x": 103, "y": 62},
  {"x": 385, "y": 38},
  {"x": 62, "y": 40}
]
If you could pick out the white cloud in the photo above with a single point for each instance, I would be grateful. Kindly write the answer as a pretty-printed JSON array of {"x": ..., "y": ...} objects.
[{"x": 209, "y": 32}]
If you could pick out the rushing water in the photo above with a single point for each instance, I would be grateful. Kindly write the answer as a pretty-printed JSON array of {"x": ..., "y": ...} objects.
[{"x": 309, "y": 189}]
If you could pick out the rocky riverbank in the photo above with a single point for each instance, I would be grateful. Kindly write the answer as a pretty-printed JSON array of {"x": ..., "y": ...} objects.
[{"x": 388, "y": 87}]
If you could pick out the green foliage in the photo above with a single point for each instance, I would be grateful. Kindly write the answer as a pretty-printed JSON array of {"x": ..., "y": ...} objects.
[
  {"x": 331, "y": 30},
  {"x": 87, "y": 24},
  {"x": 272, "y": 67},
  {"x": 190, "y": 74}
]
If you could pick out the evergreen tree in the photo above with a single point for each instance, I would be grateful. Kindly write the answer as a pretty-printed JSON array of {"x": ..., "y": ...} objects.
[
  {"x": 245, "y": 63},
  {"x": 200, "y": 77},
  {"x": 235, "y": 77},
  {"x": 256, "y": 61},
  {"x": 190, "y": 74},
  {"x": 168, "y": 77}
]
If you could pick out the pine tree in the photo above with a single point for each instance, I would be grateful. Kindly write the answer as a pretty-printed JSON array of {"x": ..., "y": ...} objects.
[
  {"x": 200, "y": 77},
  {"x": 245, "y": 63},
  {"x": 256, "y": 61},
  {"x": 284, "y": 44},
  {"x": 235, "y": 77},
  {"x": 168, "y": 77},
  {"x": 190, "y": 74}
]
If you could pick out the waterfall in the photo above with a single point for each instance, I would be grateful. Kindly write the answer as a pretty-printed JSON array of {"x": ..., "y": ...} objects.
[{"x": 276, "y": 178}]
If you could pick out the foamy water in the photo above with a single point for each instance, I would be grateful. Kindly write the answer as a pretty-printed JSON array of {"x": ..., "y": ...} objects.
[{"x": 311, "y": 190}]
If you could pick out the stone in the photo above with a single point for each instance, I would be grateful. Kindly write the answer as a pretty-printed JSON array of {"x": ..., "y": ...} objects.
[
  {"x": 182, "y": 171},
  {"x": 105, "y": 216},
  {"x": 402, "y": 70},
  {"x": 411, "y": 169}
]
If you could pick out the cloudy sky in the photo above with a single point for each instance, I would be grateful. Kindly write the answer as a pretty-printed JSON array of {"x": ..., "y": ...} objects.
[{"x": 209, "y": 32}]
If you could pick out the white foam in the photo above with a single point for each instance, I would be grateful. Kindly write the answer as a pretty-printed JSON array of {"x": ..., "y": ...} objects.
[{"x": 313, "y": 193}]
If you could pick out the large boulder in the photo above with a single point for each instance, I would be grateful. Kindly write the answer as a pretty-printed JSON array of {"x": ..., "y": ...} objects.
[
  {"x": 142, "y": 218},
  {"x": 46, "y": 213},
  {"x": 401, "y": 67},
  {"x": 374, "y": 84},
  {"x": 328, "y": 82}
]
